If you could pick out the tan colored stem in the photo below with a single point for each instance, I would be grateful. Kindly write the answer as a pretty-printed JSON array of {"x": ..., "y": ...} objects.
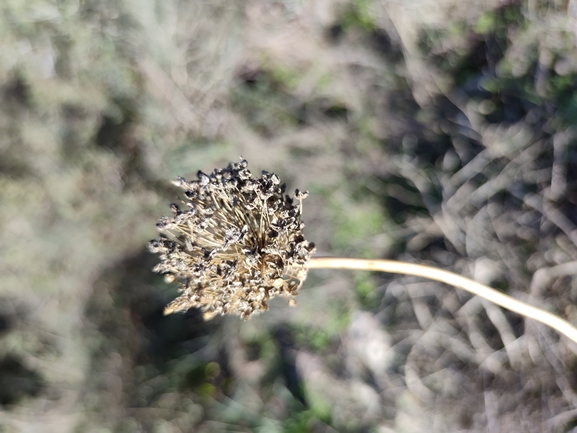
[{"x": 452, "y": 279}]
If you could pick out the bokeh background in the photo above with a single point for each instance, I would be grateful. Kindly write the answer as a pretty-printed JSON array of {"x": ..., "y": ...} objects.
[{"x": 432, "y": 131}]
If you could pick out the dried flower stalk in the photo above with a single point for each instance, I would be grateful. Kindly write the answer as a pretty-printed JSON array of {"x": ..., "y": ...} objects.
[
  {"x": 239, "y": 243},
  {"x": 235, "y": 242},
  {"x": 455, "y": 280}
]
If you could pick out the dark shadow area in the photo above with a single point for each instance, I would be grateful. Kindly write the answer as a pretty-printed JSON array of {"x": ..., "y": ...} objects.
[
  {"x": 17, "y": 381},
  {"x": 286, "y": 346},
  {"x": 17, "y": 92},
  {"x": 133, "y": 292},
  {"x": 4, "y": 325},
  {"x": 125, "y": 323},
  {"x": 114, "y": 132},
  {"x": 386, "y": 47}
]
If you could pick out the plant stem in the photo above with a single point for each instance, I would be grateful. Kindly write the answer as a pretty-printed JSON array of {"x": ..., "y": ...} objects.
[{"x": 452, "y": 279}]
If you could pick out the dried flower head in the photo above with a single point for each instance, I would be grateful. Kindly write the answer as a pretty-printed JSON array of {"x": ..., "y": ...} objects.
[{"x": 236, "y": 242}]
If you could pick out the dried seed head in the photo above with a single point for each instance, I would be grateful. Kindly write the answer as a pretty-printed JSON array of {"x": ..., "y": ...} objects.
[{"x": 235, "y": 242}]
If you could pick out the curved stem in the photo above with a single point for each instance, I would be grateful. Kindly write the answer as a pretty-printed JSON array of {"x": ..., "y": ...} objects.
[{"x": 452, "y": 279}]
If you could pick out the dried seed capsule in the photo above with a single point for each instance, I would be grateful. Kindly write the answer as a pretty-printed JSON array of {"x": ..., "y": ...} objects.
[{"x": 238, "y": 243}]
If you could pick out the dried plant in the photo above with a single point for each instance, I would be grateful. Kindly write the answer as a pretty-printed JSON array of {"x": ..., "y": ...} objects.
[
  {"x": 236, "y": 242},
  {"x": 239, "y": 243}
]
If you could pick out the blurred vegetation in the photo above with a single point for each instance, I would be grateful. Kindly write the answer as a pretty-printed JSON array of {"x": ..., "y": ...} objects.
[{"x": 438, "y": 132}]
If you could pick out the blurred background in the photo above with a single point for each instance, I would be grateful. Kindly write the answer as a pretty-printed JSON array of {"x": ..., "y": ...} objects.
[{"x": 432, "y": 131}]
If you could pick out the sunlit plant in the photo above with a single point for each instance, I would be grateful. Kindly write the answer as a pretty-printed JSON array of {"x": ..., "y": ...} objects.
[{"x": 235, "y": 241}]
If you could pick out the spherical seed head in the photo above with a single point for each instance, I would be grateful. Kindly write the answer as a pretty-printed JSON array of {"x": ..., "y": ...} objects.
[{"x": 235, "y": 242}]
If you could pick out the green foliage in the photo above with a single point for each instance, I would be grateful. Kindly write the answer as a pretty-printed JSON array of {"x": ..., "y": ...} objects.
[
  {"x": 305, "y": 421},
  {"x": 500, "y": 21},
  {"x": 359, "y": 15},
  {"x": 367, "y": 294},
  {"x": 319, "y": 339},
  {"x": 485, "y": 23},
  {"x": 265, "y": 102},
  {"x": 357, "y": 220}
]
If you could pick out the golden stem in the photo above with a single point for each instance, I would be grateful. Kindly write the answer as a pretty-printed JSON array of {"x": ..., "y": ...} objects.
[{"x": 452, "y": 279}]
